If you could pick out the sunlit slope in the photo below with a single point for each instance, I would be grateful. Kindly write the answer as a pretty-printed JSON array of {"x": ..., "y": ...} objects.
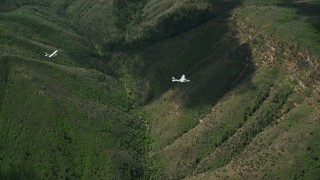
[
  {"x": 30, "y": 32},
  {"x": 287, "y": 147},
  {"x": 93, "y": 19},
  {"x": 60, "y": 118},
  {"x": 106, "y": 22}
]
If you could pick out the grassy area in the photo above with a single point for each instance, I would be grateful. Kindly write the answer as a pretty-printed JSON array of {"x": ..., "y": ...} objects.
[
  {"x": 105, "y": 107},
  {"x": 64, "y": 129},
  {"x": 65, "y": 119}
]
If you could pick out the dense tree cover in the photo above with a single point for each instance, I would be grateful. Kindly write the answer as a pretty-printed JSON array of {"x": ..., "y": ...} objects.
[
  {"x": 105, "y": 106},
  {"x": 128, "y": 13}
]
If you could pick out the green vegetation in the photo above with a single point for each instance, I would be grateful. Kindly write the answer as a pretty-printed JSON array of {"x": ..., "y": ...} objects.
[
  {"x": 105, "y": 107},
  {"x": 128, "y": 12}
]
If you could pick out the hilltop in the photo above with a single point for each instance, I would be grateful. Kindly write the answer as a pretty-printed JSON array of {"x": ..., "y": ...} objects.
[{"x": 105, "y": 106}]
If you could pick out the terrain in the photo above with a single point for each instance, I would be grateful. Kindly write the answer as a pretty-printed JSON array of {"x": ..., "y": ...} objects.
[{"x": 105, "y": 107}]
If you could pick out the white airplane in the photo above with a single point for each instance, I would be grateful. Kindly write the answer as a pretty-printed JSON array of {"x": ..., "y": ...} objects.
[
  {"x": 182, "y": 79},
  {"x": 53, "y": 54}
]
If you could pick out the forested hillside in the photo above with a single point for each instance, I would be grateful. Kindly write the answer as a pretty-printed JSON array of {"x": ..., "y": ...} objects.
[{"x": 105, "y": 106}]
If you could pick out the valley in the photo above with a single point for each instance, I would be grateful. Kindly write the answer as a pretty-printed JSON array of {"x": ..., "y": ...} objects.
[{"x": 105, "y": 106}]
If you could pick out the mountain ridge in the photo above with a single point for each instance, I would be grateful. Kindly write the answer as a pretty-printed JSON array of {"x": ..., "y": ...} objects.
[{"x": 105, "y": 106}]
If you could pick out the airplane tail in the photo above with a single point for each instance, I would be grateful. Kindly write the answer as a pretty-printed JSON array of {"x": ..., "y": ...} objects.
[
  {"x": 173, "y": 79},
  {"x": 46, "y": 54}
]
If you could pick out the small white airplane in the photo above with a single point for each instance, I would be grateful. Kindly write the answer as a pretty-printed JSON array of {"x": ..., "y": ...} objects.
[
  {"x": 182, "y": 79},
  {"x": 53, "y": 54}
]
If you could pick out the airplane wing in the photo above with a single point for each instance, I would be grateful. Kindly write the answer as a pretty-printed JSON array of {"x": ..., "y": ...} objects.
[{"x": 54, "y": 53}]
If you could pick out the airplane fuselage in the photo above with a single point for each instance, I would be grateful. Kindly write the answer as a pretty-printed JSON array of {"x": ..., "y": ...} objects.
[
  {"x": 182, "y": 79},
  {"x": 51, "y": 55},
  {"x": 179, "y": 80}
]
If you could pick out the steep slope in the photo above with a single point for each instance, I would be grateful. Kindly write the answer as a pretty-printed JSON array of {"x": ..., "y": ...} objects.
[
  {"x": 250, "y": 131},
  {"x": 254, "y": 71},
  {"x": 106, "y": 108},
  {"x": 60, "y": 118},
  {"x": 286, "y": 147}
]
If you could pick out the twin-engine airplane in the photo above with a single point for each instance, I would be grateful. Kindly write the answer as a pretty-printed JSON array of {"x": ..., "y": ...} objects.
[
  {"x": 182, "y": 79},
  {"x": 51, "y": 55}
]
